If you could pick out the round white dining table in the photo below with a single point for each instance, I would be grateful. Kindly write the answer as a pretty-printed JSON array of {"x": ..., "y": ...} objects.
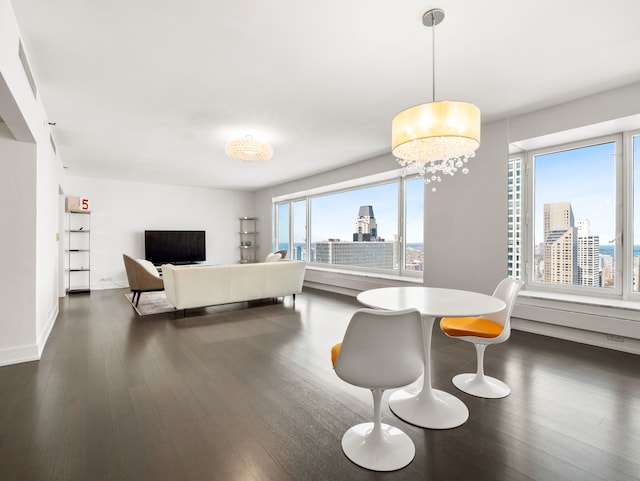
[{"x": 425, "y": 406}]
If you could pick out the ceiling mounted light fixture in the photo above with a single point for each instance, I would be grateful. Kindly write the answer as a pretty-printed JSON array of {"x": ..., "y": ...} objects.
[
  {"x": 249, "y": 149},
  {"x": 435, "y": 138}
]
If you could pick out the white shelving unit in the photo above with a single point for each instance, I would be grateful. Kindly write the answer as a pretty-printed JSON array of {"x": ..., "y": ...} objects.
[
  {"x": 79, "y": 252},
  {"x": 248, "y": 239}
]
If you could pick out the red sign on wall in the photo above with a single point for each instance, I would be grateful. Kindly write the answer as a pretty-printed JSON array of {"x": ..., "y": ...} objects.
[{"x": 78, "y": 204}]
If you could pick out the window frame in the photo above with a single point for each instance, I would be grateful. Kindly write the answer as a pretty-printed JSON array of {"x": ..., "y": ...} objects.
[
  {"x": 621, "y": 193},
  {"x": 628, "y": 211}
]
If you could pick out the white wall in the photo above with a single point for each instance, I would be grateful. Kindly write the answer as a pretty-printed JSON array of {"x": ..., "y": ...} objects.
[
  {"x": 48, "y": 231},
  {"x": 607, "y": 107},
  {"x": 29, "y": 183},
  {"x": 17, "y": 249},
  {"x": 122, "y": 211},
  {"x": 18, "y": 108},
  {"x": 466, "y": 220}
]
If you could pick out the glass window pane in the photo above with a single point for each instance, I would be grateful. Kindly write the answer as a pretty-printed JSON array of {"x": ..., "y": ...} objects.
[
  {"x": 636, "y": 213},
  {"x": 414, "y": 221},
  {"x": 356, "y": 228},
  {"x": 274, "y": 223},
  {"x": 283, "y": 226},
  {"x": 299, "y": 231},
  {"x": 574, "y": 212}
]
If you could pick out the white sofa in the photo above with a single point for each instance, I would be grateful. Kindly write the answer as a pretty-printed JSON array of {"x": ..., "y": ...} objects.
[{"x": 187, "y": 287}]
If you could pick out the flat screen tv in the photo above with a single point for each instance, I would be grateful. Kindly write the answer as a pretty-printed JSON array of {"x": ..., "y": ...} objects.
[{"x": 175, "y": 246}]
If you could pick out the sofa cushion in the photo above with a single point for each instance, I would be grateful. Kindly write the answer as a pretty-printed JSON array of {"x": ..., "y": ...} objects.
[
  {"x": 273, "y": 257},
  {"x": 148, "y": 266}
]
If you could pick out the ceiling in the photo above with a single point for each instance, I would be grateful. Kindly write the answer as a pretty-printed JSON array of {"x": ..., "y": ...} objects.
[{"x": 152, "y": 90}]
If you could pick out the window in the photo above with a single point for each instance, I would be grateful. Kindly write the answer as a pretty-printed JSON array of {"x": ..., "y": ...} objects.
[
  {"x": 376, "y": 227},
  {"x": 574, "y": 237},
  {"x": 282, "y": 226},
  {"x": 414, "y": 222},
  {"x": 357, "y": 228},
  {"x": 299, "y": 235},
  {"x": 574, "y": 216},
  {"x": 635, "y": 149}
]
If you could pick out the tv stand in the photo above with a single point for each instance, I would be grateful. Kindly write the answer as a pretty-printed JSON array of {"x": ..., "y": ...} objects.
[{"x": 181, "y": 263}]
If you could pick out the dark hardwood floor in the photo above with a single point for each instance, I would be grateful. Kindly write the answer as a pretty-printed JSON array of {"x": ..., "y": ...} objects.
[{"x": 248, "y": 393}]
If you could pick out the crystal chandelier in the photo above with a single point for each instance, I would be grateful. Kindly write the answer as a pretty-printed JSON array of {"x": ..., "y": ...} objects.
[
  {"x": 435, "y": 138},
  {"x": 249, "y": 149}
]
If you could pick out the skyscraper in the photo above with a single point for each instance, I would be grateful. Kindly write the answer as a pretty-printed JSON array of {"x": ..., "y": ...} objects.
[
  {"x": 571, "y": 252},
  {"x": 378, "y": 255},
  {"x": 589, "y": 271},
  {"x": 366, "y": 250},
  {"x": 560, "y": 244},
  {"x": 515, "y": 214},
  {"x": 366, "y": 229}
]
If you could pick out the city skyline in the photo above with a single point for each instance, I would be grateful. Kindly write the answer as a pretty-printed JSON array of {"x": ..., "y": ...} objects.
[
  {"x": 591, "y": 189},
  {"x": 571, "y": 252},
  {"x": 333, "y": 214}
]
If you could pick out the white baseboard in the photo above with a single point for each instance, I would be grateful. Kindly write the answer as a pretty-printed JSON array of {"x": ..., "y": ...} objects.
[
  {"x": 46, "y": 332},
  {"x": 102, "y": 285},
  {"x": 16, "y": 355},
  {"x": 33, "y": 352}
]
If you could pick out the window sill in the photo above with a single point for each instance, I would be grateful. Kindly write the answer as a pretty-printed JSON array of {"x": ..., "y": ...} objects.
[
  {"x": 366, "y": 274},
  {"x": 351, "y": 283},
  {"x": 598, "y": 306},
  {"x": 582, "y": 300}
]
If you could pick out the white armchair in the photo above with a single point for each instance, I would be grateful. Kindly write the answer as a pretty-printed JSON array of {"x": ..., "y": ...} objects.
[{"x": 143, "y": 277}]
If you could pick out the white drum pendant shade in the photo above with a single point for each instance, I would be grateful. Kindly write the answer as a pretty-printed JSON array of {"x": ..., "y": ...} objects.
[
  {"x": 436, "y": 131},
  {"x": 435, "y": 138}
]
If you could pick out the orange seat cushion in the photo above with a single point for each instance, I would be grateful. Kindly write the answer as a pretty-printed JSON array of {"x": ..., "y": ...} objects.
[
  {"x": 470, "y": 326},
  {"x": 335, "y": 350}
]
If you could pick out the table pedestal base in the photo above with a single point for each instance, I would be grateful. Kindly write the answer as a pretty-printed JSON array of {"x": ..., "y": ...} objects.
[{"x": 429, "y": 408}]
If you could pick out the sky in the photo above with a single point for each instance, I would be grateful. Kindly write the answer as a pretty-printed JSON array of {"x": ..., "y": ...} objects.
[
  {"x": 586, "y": 178},
  {"x": 334, "y": 216}
]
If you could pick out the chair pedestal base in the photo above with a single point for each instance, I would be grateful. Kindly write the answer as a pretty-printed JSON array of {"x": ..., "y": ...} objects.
[
  {"x": 481, "y": 386},
  {"x": 429, "y": 408},
  {"x": 392, "y": 449}
]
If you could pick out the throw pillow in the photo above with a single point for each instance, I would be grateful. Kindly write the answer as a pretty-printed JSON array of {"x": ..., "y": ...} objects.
[{"x": 273, "y": 257}]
